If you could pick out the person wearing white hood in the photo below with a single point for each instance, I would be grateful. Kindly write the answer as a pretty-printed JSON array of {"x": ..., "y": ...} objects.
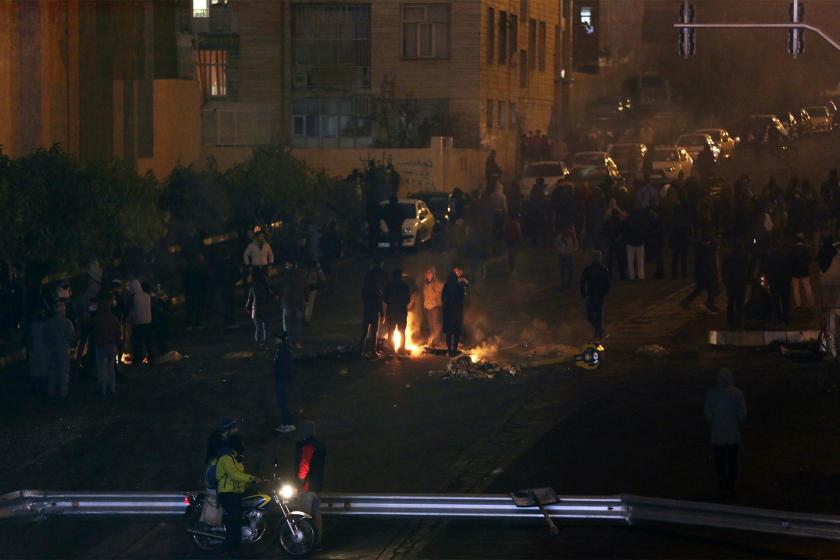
[{"x": 725, "y": 411}]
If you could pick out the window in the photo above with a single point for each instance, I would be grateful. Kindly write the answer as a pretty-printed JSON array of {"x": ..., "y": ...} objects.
[
  {"x": 212, "y": 72},
  {"x": 586, "y": 20},
  {"x": 532, "y": 44},
  {"x": 331, "y": 46},
  {"x": 523, "y": 10},
  {"x": 425, "y": 31},
  {"x": 542, "y": 47},
  {"x": 501, "y": 111},
  {"x": 337, "y": 122},
  {"x": 523, "y": 69},
  {"x": 491, "y": 34},
  {"x": 514, "y": 36},
  {"x": 200, "y": 9},
  {"x": 503, "y": 29},
  {"x": 489, "y": 113},
  {"x": 512, "y": 115}
]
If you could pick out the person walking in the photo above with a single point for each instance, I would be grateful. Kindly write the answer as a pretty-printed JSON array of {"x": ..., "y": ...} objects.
[
  {"x": 258, "y": 253},
  {"x": 283, "y": 361},
  {"x": 595, "y": 284},
  {"x": 433, "y": 306},
  {"x": 566, "y": 244},
  {"x": 107, "y": 339},
  {"x": 725, "y": 411},
  {"x": 310, "y": 462},
  {"x": 735, "y": 275},
  {"x": 800, "y": 260},
  {"x": 453, "y": 295},
  {"x": 232, "y": 481},
  {"x": 397, "y": 297},
  {"x": 58, "y": 335}
]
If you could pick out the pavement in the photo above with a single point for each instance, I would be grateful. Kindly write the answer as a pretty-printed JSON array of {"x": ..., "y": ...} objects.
[{"x": 635, "y": 425}]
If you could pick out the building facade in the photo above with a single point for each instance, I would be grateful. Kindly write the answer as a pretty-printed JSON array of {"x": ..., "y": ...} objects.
[
  {"x": 98, "y": 77},
  {"x": 374, "y": 74}
]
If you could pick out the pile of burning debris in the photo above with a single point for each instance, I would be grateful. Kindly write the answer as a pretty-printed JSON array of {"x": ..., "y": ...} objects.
[{"x": 466, "y": 367}]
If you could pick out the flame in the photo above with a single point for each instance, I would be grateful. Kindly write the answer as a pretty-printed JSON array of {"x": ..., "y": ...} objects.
[
  {"x": 125, "y": 358},
  {"x": 410, "y": 346},
  {"x": 482, "y": 352}
]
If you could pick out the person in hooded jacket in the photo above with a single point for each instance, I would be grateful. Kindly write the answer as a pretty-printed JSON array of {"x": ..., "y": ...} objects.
[
  {"x": 232, "y": 481},
  {"x": 725, "y": 411},
  {"x": 310, "y": 462}
]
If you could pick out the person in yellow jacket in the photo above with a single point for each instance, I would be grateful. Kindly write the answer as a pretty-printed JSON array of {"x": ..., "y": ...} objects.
[{"x": 232, "y": 479}]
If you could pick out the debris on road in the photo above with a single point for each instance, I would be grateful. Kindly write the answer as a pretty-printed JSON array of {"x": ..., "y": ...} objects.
[
  {"x": 652, "y": 350},
  {"x": 463, "y": 367}
]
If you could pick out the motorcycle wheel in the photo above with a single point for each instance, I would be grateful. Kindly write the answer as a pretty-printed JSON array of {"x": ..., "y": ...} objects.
[{"x": 301, "y": 544}]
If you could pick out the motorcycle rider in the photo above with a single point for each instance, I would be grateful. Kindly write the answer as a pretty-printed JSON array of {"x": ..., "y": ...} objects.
[
  {"x": 232, "y": 480},
  {"x": 227, "y": 427},
  {"x": 310, "y": 458}
]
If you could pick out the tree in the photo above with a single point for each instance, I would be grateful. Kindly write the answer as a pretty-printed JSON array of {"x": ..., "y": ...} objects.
[{"x": 59, "y": 213}]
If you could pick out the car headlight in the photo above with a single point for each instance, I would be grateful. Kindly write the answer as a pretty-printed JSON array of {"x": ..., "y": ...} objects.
[
  {"x": 287, "y": 491},
  {"x": 408, "y": 230},
  {"x": 672, "y": 169}
]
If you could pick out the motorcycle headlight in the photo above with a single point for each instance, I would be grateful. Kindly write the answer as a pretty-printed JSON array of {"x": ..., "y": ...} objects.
[{"x": 287, "y": 491}]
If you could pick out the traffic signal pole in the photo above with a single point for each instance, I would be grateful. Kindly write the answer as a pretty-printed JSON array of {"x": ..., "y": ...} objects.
[{"x": 801, "y": 26}]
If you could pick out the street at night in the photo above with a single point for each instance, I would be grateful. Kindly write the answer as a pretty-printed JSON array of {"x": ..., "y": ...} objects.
[{"x": 388, "y": 280}]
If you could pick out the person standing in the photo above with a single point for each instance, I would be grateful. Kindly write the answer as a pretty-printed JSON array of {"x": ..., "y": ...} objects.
[
  {"x": 258, "y": 305},
  {"x": 706, "y": 273},
  {"x": 453, "y": 295},
  {"x": 725, "y": 411},
  {"x": 735, "y": 278},
  {"x": 680, "y": 236},
  {"x": 58, "y": 335},
  {"x": 195, "y": 290},
  {"x": 258, "y": 253},
  {"x": 492, "y": 171},
  {"x": 371, "y": 314},
  {"x": 310, "y": 460},
  {"x": 393, "y": 216},
  {"x": 433, "y": 306},
  {"x": 142, "y": 341},
  {"x": 513, "y": 240},
  {"x": 498, "y": 209},
  {"x": 777, "y": 269},
  {"x": 397, "y": 297},
  {"x": 295, "y": 288},
  {"x": 283, "y": 361},
  {"x": 567, "y": 245},
  {"x": 107, "y": 339},
  {"x": 634, "y": 236},
  {"x": 800, "y": 257},
  {"x": 595, "y": 284},
  {"x": 232, "y": 481}
]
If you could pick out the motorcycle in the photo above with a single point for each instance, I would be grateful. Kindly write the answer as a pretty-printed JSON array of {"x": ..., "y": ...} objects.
[{"x": 296, "y": 531}]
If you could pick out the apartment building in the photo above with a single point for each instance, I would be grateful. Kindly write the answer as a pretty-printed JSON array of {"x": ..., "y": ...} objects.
[
  {"x": 98, "y": 77},
  {"x": 378, "y": 73}
]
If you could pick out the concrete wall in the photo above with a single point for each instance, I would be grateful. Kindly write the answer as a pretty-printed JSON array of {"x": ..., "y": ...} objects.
[{"x": 177, "y": 127}]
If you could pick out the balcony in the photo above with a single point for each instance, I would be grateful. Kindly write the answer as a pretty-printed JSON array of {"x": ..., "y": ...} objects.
[{"x": 222, "y": 20}]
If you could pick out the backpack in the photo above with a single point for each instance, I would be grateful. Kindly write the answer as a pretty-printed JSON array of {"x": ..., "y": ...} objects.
[{"x": 210, "y": 480}]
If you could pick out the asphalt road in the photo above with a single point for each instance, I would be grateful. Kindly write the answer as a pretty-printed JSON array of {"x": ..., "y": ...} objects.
[{"x": 633, "y": 426}]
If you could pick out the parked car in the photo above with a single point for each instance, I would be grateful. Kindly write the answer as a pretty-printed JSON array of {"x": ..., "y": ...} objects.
[
  {"x": 821, "y": 120},
  {"x": 418, "y": 223},
  {"x": 799, "y": 123},
  {"x": 667, "y": 163},
  {"x": 724, "y": 141},
  {"x": 596, "y": 173},
  {"x": 550, "y": 171},
  {"x": 761, "y": 129},
  {"x": 609, "y": 108},
  {"x": 832, "y": 110},
  {"x": 696, "y": 142},
  {"x": 629, "y": 158},
  {"x": 590, "y": 158},
  {"x": 438, "y": 203}
]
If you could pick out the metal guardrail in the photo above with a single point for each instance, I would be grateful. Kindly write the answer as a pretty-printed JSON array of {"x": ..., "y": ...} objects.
[{"x": 626, "y": 509}]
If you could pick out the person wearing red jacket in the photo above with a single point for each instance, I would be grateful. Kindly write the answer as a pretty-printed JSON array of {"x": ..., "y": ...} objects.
[{"x": 310, "y": 459}]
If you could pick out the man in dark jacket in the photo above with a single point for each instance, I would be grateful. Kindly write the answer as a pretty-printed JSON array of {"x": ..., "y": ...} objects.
[
  {"x": 397, "y": 296},
  {"x": 282, "y": 379},
  {"x": 594, "y": 286},
  {"x": 777, "y": 269},
  {"x": 393, "y": 216},
  {"x": 735, "y": 277},
  {"x": 635, "y": 235},
  {"x": 453, "y": 296},
  {"x": 310, "y": 460}
]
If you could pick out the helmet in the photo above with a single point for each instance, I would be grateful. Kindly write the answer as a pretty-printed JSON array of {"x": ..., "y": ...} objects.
[{"x": 591, "y": 356}]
